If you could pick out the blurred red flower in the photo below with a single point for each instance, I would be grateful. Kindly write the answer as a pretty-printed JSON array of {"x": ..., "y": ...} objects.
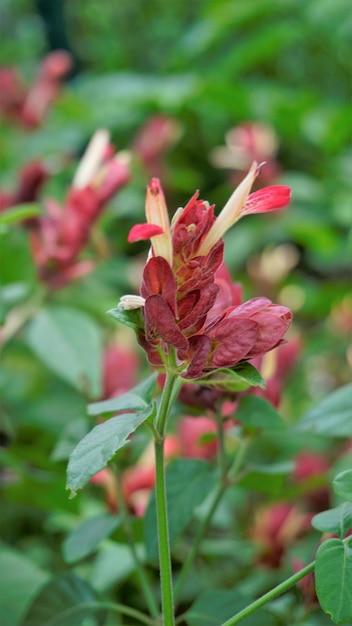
[{"x": 29, "y": 106}]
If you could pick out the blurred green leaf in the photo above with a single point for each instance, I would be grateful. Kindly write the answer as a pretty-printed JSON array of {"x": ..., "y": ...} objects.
[
  {"x": 135, "y": 400},
  {"x": 85, "y": 538},
  {"x": 69, "y": 343},
  {"x": 213, "y": 607},
  {"x": 342, "y": 485},
  {"x": 72, "y": 434},
  {"x": 188, "y": 481},
  {"x": 333, "y": 579},
  {"x": 112, "y": 565},
  {"x": 19, "y": 213},
  {"x": 98, "y": 447},
  {"x": 259, "y": 413},
  {"x": 338, "y": 520},
  {"x": 270, "y": 479},
  {"x": 16, "y": 259},
  {"x": 64, "y": 601},
  {"x": 332, "y": 417},
  {"x": 20, "y": 580}
]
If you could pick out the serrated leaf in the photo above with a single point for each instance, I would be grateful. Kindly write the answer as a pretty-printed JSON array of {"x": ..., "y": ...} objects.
[
  {"x": 65, "y": 601},
  {"x": 135, "y": 400},
  {"x": 342, "y": 485},
  {"x": 238, "y": 378},
  {"x": 97, "y": 448},
  {"x": 337, "y": 520},
  {"x": 85, "y": 538},
  {"x": 333, "y": 579},
  {"x": 188, "y": 481},
  {"x": 332, "y": 416},
  {"x": 259, "y": 413},
  {"x": 69, "y": 343},
  {"x": 19, "y": 213},
  {"x": 132, "y": 319}
]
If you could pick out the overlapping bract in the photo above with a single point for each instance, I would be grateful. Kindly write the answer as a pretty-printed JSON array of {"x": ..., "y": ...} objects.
[{"x": 190, "y": 303}]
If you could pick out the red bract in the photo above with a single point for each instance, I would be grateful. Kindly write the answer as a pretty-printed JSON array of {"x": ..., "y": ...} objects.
[
  {"x": 31, "y": 178},
  {"x": 190, "y": 303},
  {"x": 64, "y": 231},
  {"x": 28, "y": 106}
]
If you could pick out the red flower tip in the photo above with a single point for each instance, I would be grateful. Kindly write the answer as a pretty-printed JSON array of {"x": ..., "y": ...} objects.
[
  {"x": 267, "y": 199},
  {"x": 141, "y": 232},
  {"x": 155, "y": 186}
]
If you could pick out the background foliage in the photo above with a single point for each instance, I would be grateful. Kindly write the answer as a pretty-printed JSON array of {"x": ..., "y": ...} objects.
[{"x": 209, "y": 66}]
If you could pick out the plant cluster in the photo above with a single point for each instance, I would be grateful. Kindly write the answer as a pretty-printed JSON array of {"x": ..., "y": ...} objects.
[{"x": 203, "y": 427}]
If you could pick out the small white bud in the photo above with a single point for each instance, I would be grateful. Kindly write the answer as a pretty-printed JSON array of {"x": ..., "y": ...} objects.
[{"x": 130, "y": 302}]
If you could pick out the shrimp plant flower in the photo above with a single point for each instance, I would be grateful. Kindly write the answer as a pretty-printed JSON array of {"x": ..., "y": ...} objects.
[{"x": 181, "y": 296}]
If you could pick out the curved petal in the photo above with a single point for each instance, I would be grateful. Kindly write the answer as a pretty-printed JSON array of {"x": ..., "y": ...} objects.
[
  {"x": 271, "y": 331},
  {"x": 232, "y": 340},
  {"x": 267, "y": 199},
  {"x": 200, "y": 344},
  {"x": 142, "y": 232},
  {"x": 158, "y": 278},
  {"x": 160, "y": 322},
  {"x": 247, "y": 309}
]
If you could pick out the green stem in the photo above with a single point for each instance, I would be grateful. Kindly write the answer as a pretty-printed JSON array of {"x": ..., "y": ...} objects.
[
  {"x": 121, "y": 609},
  {"x": 221, "y": 488},
  {"x": 170, "y": 390},
  {"x": 163, "y": 536},
  {"x": 221, "y": 451},
  {"x": 148, "y": 594},
  {"x": 223, "y": 484},
  {"x": 271, "y": 595}
]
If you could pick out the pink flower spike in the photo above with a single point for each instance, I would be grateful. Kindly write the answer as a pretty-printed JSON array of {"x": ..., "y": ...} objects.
[
  {"x": 267, "y": 199},
  {"x": 142, "y": 232}
]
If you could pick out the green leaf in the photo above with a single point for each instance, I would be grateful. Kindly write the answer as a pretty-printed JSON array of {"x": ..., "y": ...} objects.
[
  {"x": 85, "y": 538},
  {"x": 70, "y": 437},
  {"x": 133, "y": 318},
  {"x": 270, "y": 479},
  {"x": 65, "y": 601},
  {"x": 259, "y": 413},
  {"x": 20, "y": 580},
  {"x": 333, "y": 579},
  {"x": 97, "y": 448},
  {"x": 19, "y": 213},
  {"x": 113, "y": 564},
  {"x": 188, "y": 481},
  {"x": 16, "y": 258},
  {"x": 332, "y": 416},
  {"x": 135, "y": 400},
  {"x": 337, "y": 520},
  {"x": 215, "y": 606},
  {"x": 342, "y": 485},
  {"x": 238, "y": 378},
  {"x": 69, "y": 343}
]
